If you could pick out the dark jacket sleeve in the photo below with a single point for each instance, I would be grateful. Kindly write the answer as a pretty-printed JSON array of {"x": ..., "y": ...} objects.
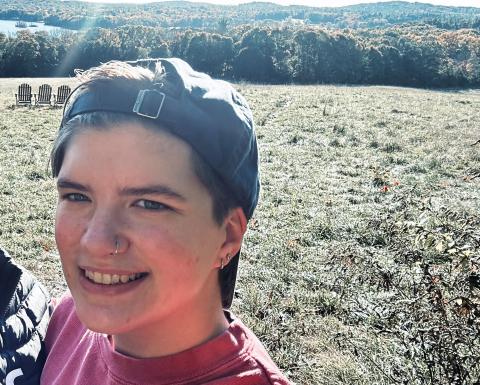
[{"x": 24, "y": 316}]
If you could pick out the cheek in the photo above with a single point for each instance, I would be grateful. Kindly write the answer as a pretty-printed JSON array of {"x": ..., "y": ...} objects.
[
  {"x": 67, "y": 231},
  {"x": 162, "y": 243},
  {"x": 170, "y": 249}
]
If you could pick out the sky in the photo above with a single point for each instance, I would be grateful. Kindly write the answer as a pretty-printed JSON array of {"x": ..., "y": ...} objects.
[{"x": 313, "y": 3}]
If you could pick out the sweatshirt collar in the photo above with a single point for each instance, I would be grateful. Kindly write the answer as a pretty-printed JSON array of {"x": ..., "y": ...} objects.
[{"x": 195, "y": 363}]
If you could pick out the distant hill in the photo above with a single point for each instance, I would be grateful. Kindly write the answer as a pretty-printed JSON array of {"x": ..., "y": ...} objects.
[
  {"x": 204, "y": 16},
  {"x": 394, "y": 43}
]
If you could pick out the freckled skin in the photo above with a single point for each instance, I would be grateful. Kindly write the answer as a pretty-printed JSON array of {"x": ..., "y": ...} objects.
[{"x": 179, "y": 247}]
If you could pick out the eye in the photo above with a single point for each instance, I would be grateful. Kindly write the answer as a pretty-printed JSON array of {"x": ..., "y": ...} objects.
[
  {"x": 151, "y": 205},
  {"x": 75, "y": 197}
]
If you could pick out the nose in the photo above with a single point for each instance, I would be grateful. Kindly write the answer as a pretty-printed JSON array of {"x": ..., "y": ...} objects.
[{"x": 103, "y": 235}]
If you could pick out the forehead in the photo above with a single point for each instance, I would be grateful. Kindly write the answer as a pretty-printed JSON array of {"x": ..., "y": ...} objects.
[
  {"x": 131, "y": 150},
  {"x": 131, "y": 135}
]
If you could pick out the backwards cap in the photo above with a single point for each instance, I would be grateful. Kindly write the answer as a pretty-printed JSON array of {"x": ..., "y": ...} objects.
[{"x": 208, "y": 114}]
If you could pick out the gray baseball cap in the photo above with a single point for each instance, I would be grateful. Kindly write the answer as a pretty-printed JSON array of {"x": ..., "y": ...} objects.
[{"x": 208, "y": 114}]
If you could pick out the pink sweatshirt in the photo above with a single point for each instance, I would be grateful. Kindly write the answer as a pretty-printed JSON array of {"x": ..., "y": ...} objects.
[{"x": 78, "y": 356}]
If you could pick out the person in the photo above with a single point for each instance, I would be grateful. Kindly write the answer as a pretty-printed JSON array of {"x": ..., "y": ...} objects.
[
  {"x": 157, "y": 176},
  {"x": 24, "y": 315}
]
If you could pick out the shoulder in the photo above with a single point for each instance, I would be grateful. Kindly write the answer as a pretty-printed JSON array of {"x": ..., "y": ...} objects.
[
  {"x": 10, "y": 275},
  {"x": 258, "y": 356},
  {"x": 64, "y": 323},
  {"x": 23, "y": 297},
  {"x": 24, "y": 306},
  {"x": 19, "y": 289},
  {"x": 71, "y": 348}
]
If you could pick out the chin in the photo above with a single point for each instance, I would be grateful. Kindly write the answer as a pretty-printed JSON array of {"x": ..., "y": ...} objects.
[{"x": 95, "y": 319}]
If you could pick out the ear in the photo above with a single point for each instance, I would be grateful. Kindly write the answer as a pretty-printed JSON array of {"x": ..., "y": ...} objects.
[{"x": 235, "y": 225}]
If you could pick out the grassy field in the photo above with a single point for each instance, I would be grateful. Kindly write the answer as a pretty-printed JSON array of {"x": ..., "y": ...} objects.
[{"x": 361, "y": 264}]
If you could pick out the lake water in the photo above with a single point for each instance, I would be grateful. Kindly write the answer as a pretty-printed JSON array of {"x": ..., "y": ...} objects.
[{"x": 8, "y": 27}]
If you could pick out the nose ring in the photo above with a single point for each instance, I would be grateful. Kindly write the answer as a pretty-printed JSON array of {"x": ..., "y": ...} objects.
[{"x": 116, "y": 247}]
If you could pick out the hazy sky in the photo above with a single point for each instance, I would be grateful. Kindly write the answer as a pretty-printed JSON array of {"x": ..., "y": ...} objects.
[{"x": 314, "y": 3}]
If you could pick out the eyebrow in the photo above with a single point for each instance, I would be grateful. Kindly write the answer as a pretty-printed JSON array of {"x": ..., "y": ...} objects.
[
  {"x": 153, "y": 190},
  {"x": 128, "y": 191},
  {"x": 66, "y": 183}
]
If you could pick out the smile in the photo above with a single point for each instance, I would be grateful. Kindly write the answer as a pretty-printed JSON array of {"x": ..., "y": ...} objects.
[{"x": 112, "y": 279}]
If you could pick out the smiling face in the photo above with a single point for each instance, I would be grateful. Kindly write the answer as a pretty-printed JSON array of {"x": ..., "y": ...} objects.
[{"x": 134, "y": 189}]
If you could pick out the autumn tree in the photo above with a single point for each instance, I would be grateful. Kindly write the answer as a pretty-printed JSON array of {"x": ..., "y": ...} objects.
[
  {"x": 20, "y": 55},
  {"x": 374, "y": 66},
  {"x": 209, "y": 52},
  {"x": 254, "y": 59},
  {"x": 311, "y": 60}
]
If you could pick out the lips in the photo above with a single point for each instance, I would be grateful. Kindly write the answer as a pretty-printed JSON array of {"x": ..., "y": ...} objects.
[{"x": 111, "y": 279}]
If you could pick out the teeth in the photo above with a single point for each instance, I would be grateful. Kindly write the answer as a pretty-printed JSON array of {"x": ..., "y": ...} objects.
[
  {"x": 111, "y": 279},
  {"x": 97, "y": 277},
  {"x": 106, "y": 279}
]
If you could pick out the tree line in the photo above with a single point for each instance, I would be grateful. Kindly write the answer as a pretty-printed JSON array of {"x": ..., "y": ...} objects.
[
  {"x": 181, "y": 14},
  {"x": 420, "y": 56}
]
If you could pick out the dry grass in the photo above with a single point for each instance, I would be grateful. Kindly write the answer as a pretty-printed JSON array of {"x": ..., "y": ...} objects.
[{"x": 361, "y": 262}]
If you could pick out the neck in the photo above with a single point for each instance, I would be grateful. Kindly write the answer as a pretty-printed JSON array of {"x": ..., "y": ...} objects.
[{"x": 182, "y": 331}]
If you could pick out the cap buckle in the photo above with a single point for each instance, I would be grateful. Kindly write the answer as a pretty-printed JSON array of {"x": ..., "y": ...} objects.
[{"x": 149, "y": 103}]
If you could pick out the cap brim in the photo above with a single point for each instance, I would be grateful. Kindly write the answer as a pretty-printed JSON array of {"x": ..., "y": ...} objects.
[{"x": 228, "y": 278}]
